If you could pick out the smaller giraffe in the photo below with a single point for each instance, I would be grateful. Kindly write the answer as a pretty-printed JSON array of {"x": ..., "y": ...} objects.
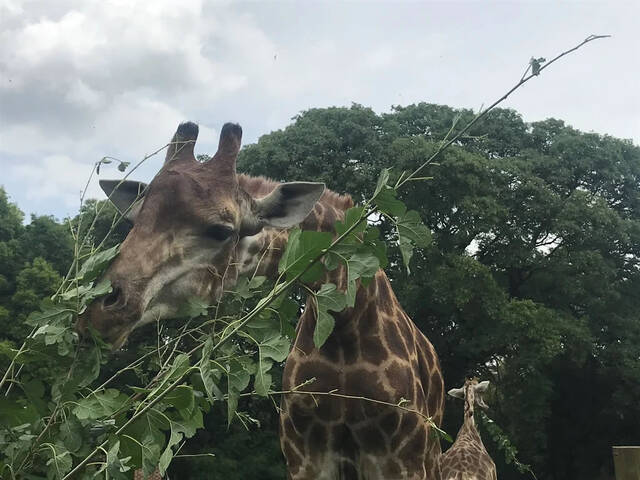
[{"x": 467, "y": 459}]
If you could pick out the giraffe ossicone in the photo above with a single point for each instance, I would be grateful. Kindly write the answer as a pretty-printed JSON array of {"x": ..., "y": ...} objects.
[{"x": 195, "y": 221}]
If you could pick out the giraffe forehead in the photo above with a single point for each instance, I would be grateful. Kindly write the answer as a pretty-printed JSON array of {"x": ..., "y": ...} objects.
[{"x": 228, "y": 212}]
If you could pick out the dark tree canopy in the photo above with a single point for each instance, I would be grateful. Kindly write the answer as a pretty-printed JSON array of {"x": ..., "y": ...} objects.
[{"x": 532, "y": 277}]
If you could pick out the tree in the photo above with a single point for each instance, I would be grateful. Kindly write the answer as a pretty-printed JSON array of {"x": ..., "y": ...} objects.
[
  {"x": 35, "y": 282},
  {"x": 32, "y": 258},
  {"x": 531, "y": 274},
  {"x": 10, "y": 230},
  {"x": 46, "y": 238},
  {"x": 105, "y": 222}
]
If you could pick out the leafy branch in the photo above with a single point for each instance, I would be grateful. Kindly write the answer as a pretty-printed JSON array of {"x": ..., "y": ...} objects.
[{"x": 504, "y": 444}]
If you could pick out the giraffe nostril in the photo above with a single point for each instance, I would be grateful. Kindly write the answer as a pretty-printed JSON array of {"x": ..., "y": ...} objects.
[{"x": 113, "y": 299}]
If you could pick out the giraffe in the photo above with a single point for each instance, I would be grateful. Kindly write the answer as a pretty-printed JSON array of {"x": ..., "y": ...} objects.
[
  {"x": 139, "y": 475},
  {"x": 197, "y": 220},
  {"x": 467, "y": 458}
]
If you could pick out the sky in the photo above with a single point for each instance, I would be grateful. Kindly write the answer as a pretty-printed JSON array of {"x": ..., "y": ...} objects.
[{"x": 80, "y": 80}]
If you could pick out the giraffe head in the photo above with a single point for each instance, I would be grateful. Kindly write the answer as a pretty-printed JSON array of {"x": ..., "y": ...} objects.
[
  {"x": 190, "y": 224},
  {"x": 472, "y": 393}
]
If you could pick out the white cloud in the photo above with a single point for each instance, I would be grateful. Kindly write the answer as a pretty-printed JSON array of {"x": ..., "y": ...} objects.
[
  {"x": 55, "y": 176},
  {"x": 81, "y": 79},
  {"x": 82, "y": 94},
  {"x": 380, "y": 57}
]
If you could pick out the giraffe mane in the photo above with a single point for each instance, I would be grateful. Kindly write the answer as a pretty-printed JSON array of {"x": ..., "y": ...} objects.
[{"x": 260, "y": 186}]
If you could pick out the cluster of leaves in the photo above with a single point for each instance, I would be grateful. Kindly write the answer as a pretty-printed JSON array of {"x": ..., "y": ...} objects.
[{"x": 503, "y": 443}]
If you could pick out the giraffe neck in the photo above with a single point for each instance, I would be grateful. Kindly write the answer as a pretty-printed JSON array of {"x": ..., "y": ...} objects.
[{"x": 469, "y": 400}]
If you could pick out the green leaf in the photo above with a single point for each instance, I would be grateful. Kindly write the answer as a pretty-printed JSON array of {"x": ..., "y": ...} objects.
[
  {"x": 96, "y": 291},
  {"x": 96, "y": 263},
  {"x": 410, "y": 226},
  {"x": 266, "y": 333},
  {"x": 262, "y": 382},
  {"x": 167, "y": 455},
  {"x": 276, "y": 348},
  {"x": 179, "y": 367},
  {"x": 272, "y": 345},
  {"x": 180, "y": 398},
  {"x": 411, "y": 231},
  {"x": 363, "y": 265},
  {"x": 388, "y": 203},
  {"x": 248, "y": 288},
  {"x": 180, "y": 428},
  {"x": 288, "y": 313},
  {"x": 56, "y": 334},
  {"x": 376, "y": 246},
  {"x": 88, "y": 366},
  {"x": 383, "y": 180},
  {"x": 327, "y": 298},
  {"x": 144, "y": 440},
  {"x": 34, "y": 390},
  {"x": 406, "y": 250},
  {"x": 71, "y": 433},
  {"x": 324, "y": 326},
  {"x": 360, "y": 265},
  {"x": 114, "y": 465},
  {"x": 209, "y": 374},
  {"x": 238, "y": 377},
  {"x": 60, "y": 461},
  {"x": 51, "y": 314},
  {"x": 99, "y": 404},
  {"x": 351, "y": 217},
  {"x": 257, "y": 281},
  {"x": 302, "y": 248},
  {"x": 76, "y": 292},
  {"x": 14, "y": 413}
]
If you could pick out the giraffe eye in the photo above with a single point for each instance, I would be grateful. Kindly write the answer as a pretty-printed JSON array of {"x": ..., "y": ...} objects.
[{"x": 218, "y": 232}]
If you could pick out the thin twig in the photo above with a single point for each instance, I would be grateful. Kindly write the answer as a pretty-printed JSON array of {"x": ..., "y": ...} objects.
[
  {"x": 483, "y": 113},
  {"x": 334, "y": 393}
]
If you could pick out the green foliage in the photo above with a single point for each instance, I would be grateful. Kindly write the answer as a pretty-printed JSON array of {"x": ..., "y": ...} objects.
[
  {"x": 48, "y": 239},
  {"x": 503, "y": 443}
]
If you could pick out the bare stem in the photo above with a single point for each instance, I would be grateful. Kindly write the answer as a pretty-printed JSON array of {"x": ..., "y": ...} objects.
[{"x": 525, "y": 78}]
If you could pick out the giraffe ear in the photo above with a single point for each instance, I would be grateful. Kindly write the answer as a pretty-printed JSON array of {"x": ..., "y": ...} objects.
[
  {"x": 288, "y": 204},
  {"x": 481, "y": 389},
  {"x": 457, "y": 392},
  {"x": 126, "y": 196},
  {"x": 482, "y": 386}
]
